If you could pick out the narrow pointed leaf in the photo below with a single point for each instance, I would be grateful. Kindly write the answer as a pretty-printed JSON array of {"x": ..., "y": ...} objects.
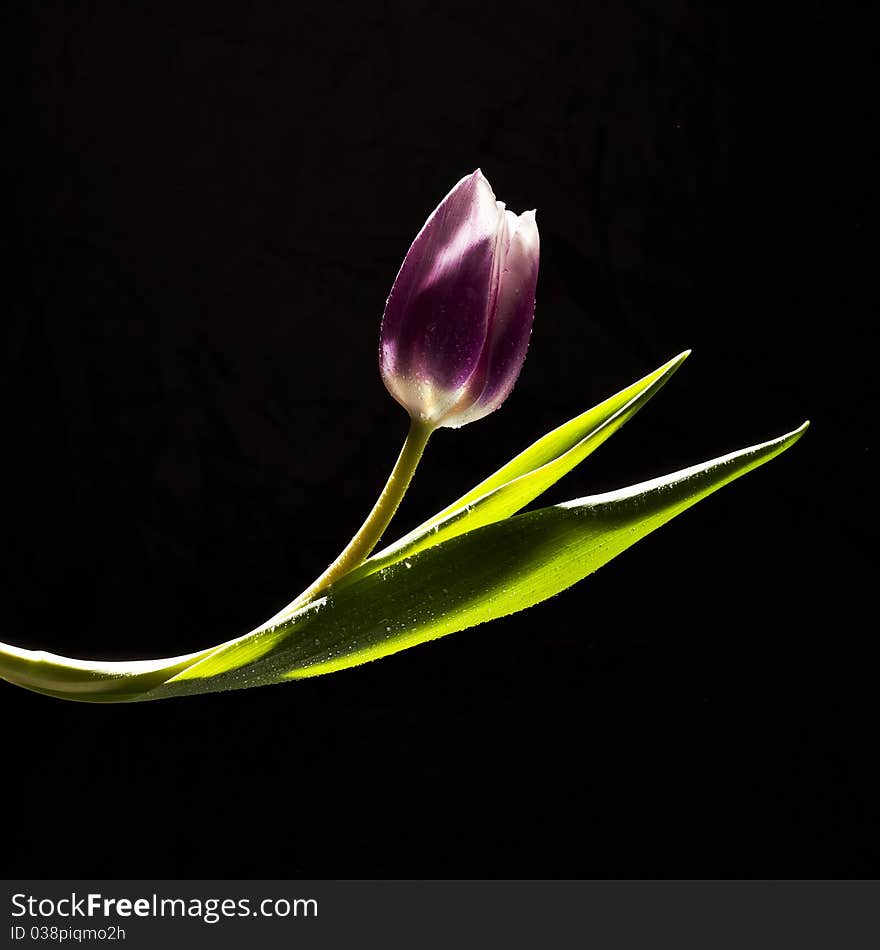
[
  {"x": 490, "y": 572},
  {"x": 523, "y": 478},
  {"x": 519, "y": 482}
]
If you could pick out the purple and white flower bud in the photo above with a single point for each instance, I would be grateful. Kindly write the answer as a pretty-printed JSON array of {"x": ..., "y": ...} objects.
[{"x": 458, "y": 320}]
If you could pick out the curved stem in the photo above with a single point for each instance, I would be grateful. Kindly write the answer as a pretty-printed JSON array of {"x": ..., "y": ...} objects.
[{"x": 367, "y": 537}]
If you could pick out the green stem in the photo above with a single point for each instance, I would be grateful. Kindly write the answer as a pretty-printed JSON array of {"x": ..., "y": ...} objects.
[{"x": 360, "y": 546}]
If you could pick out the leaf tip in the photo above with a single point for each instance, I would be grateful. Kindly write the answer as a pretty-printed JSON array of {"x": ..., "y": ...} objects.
[
  {"x": 795, "y": 434},
  {"x": 676, "y": 361}
]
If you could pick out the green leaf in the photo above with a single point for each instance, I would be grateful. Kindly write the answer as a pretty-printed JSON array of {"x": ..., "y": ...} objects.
[
  {"x": 90, "y": 681},
  {"x": 522, "y": 479},
  {"x": 489, "y": 572}
]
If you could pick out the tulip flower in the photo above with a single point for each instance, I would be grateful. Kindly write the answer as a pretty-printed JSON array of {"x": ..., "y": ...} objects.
[
  {"x": 453, "y": 339},
  {"x": 458, "y": 320},
  {"x": 454, "y": 334}
]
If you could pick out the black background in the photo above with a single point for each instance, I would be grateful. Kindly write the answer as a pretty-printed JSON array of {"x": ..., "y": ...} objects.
[{"x": 212, "y": 202}]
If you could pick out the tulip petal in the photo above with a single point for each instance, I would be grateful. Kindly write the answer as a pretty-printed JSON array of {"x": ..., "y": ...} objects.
[
  {"x": 436, "y": 318},
  {"x": 511, "y": 325}
]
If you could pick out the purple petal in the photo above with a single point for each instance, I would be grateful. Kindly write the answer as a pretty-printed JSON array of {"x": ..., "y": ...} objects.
[
  {"x": 511, "y": 325},
  {"x": 436, "y": 318}
]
